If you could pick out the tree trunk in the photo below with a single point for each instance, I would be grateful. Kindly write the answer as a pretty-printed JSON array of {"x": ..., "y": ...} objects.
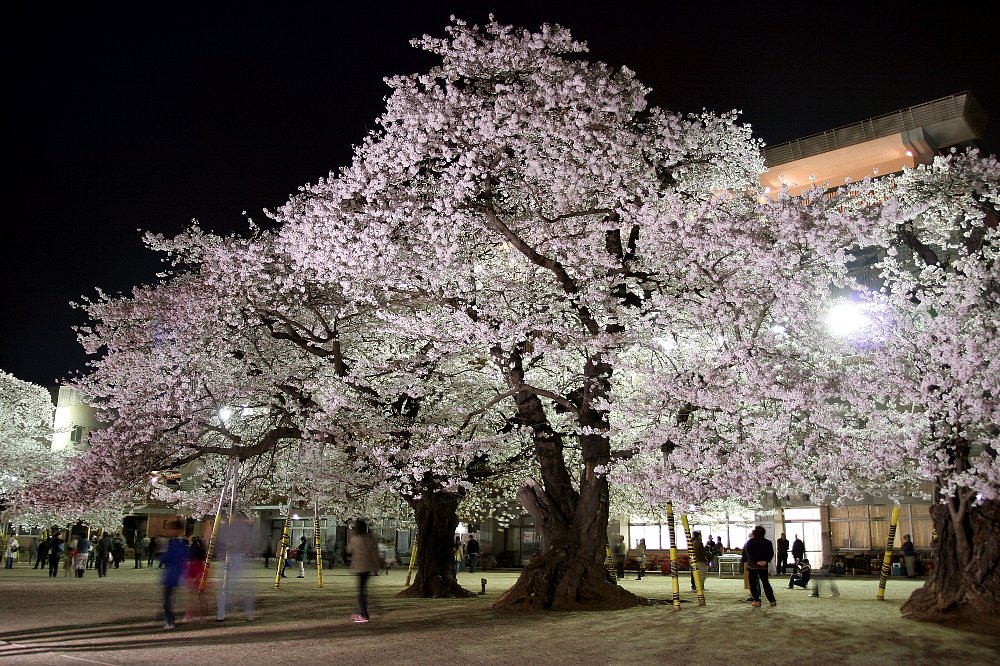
[
  {"x": 570, "y": 573},
  {"x": 434, "y": 575},
  {"x": 965, "y": 582}
]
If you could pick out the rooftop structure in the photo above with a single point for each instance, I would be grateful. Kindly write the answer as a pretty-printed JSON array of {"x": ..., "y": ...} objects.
[{"x": 877, "y": 146}]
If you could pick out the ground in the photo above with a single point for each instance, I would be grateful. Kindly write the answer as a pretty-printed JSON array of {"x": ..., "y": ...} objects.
[{"x": 114, "y": 621}]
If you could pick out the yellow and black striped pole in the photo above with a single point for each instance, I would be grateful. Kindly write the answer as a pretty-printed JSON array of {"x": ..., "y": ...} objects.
[
  {"x": 610, "y": 564},
  {"x": 887, "y": 559},
  {"x": 210, "y": 555},
  {"x": 283, "y": 548},
  {"x": 696, "y": 571},
  {"x": 413, "y": 561},
  {"x": 319, "y": 546},
  {"x": 673, "y": 557}
]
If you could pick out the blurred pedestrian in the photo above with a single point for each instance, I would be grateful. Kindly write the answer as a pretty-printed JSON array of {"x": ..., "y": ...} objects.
[
  {"x": 32, "y": 550},
  {"x": 174, "y": 560},
  {"x": 197, "y": 554},
  {"x": 618, "y": 552},
  {"x": 140, "y": 552},
  {"x": 117, "y": 550},
  {"x": 151, "y": 551},
  {"x": 364, "y": 562},
  {"x": 759, "y": 553},
  {"x": 268, "y": 554},
  {"x": 236, "y": 541}
]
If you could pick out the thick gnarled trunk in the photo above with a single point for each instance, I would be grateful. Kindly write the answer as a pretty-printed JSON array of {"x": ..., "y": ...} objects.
[
  {"x": 434, "y": 575},
  {"x": 965, "y": 582},
  {"x": 570, "y": 573}
]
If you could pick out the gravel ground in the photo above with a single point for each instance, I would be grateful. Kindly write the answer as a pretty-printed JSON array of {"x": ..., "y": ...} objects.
[{"x": 114, "y": 621}]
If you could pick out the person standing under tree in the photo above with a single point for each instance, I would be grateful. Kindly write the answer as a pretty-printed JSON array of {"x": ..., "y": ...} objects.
[
  {"x": 640, "y": 557},
  {"x": 364, "y": 562},
  {"x": 618, "y": 553},
  {"x": 759, "y": 553},
  {"x": 472, "y": 550},
  {"x": 300, "y": 556},
  {"x": 10, "y": 553},
  {"x": 458, "y": 554},
  {"x": 699, "y": 558},
  {"x": 782, "y": 545},
  {"x": 103, "y": 555},
  {"x": 798, "y": 549},
  {"x": 55, "y": 555},
  {"x": 43, "y": 553},
  {"x": 139, "y": 552},
  {"x": 909, "y": 556}
]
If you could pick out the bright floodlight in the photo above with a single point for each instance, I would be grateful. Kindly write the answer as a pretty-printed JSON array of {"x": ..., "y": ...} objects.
[
  {"x": 847, "y": 320},
  {"x": 225, "y": 413}
]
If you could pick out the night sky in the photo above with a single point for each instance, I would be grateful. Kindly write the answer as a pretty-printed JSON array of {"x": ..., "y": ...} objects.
[{"x": 129, "y": 117}]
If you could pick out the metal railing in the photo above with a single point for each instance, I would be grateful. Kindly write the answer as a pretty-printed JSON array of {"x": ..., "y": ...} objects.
[{"x": 954, "y": 106}]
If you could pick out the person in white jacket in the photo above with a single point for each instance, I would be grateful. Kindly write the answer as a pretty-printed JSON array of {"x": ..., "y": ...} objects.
[
  {"x": 364, "y": 563},
  {"x": 10, "y": 552}
]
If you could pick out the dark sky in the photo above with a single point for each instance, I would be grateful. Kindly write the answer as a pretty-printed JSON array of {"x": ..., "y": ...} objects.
[{"x": 121, "y": 117}]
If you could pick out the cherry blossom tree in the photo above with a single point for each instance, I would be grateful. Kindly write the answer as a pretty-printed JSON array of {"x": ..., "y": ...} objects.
[
  {"x": 938, "y": 361},
  {"x": 540, "y": 216},
  {"x": 26, "y": 412},
  {"x": 232, "y": 356}
]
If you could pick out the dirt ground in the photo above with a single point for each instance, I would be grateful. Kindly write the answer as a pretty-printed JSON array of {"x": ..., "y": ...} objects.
[{"x": 114, "y": 621}]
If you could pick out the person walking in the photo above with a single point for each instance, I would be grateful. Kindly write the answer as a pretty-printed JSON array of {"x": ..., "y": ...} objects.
[
  {"x": 42, "y": 559},
  {"x": 268, "y": 554},
  {"x": 759, "y": 553},
  {"x": 236, "y": 545},
  {"x": 83, "y": 547},
  {"x": 364, "y": 562},
  {"x": 300, "y": 556},
  {"x": 197, "y": 554},
  {"x": 117, "y": 550},
  {"x": 782, "y": 544},
  {"x": 174, "y": 559},
  {"x": 472, "y": 550},
  {"x": 32, "y": 550},
  {"x": 69, "y": 557},
  {"x": 140, "y": 553},
  {"x": 151, "y": 551},
  {"x": 640, "y": 557},
  {"x": 798, "y": 549},
  {"x": 103, "y": 555}
]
